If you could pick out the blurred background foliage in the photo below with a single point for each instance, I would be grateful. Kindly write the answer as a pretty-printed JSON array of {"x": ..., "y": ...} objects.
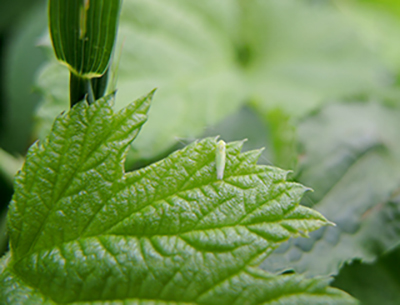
[{"x": 315, "y": 82}]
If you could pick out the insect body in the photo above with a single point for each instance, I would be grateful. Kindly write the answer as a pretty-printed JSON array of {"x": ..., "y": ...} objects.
[{"x": 220, "y": 157}]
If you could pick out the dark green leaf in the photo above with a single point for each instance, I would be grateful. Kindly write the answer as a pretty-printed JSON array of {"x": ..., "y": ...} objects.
[
  {"x": 21, "y": 61},
  {"x": 372, "y": 284}
]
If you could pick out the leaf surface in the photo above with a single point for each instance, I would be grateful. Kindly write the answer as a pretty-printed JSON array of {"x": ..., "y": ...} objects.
[{"x": 170, "y": 233}]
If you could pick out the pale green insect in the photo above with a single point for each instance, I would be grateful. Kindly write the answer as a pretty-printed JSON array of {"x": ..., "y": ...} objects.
[{"x": 220, "y": 158}]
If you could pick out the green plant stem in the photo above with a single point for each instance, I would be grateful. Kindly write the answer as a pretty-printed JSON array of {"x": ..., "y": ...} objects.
[
  {"x": 99, "y": 85},
  {"x": 79, "y": 89}
]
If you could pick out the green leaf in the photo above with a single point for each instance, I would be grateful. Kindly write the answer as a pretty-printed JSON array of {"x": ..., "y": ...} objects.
[
  {"x": 21, "y": 61},
  {"x": 252, "y": 287},
  {"x": 81, "y": 159},
  {"x": 83, "y": 34},
  {"x": 378, "y": 23},
  {"x": 352, "y": 160},
  {"x": 170, "y": 232},
  {"x": 284, "y": 140},
  {"x": 376, "y": 283},
  {"x": 208, "y": 59}
]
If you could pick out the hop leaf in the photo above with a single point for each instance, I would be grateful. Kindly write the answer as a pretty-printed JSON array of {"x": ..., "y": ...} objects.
[{"x": 83, "y": 231}]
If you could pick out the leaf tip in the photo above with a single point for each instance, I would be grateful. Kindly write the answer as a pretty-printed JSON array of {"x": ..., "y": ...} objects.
[
  {"x": 307, "y": 189},
  {"x": 234, "y": 148},
  {"x": 151, "y": 93}
]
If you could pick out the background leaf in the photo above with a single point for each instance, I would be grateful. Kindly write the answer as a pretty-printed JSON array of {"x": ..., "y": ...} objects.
[
  {"x": 209, "y": 59},
  {"x": 22, "y": 59},
  {"x": 375, "y": 283},
  {"x": 353, "y": 165}
]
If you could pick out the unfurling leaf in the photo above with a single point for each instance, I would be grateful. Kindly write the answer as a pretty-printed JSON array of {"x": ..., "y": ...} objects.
[{"x": 83, "y": 34}]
